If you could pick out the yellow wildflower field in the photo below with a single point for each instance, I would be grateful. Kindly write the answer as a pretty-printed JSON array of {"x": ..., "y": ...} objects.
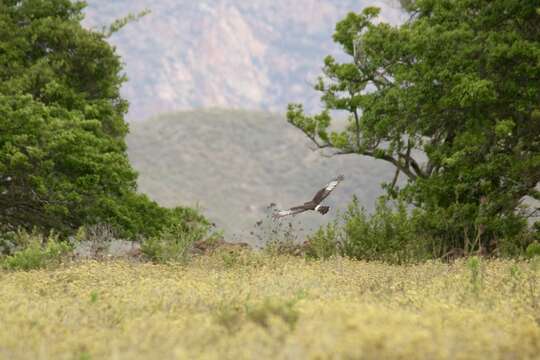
[{"x": 254, "y": 306}]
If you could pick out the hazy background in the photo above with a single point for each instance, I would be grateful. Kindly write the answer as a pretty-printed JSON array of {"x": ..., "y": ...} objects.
[{"x": 208, "y": 85}]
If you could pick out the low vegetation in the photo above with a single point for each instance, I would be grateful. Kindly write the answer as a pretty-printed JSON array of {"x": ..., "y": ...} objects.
[
  {"x": 28, "y": 251},
  {"x": 262, "y": 306},
  {"x": 392, "y": 233},
  {"x": 175, "y": 242}
]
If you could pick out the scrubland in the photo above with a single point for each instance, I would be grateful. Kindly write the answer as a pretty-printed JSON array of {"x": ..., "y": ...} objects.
[{"x": 246, "y": 305}]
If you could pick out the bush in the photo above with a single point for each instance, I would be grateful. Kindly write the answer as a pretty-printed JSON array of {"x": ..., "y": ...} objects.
[
  {"x": 533, "y": 249},
  {"x": 175, "y": 242},
  {"x": 389, "y": 234},
  {"x": 34, "y": 251},
  {"x": 170, "y": 246},
  {"x": 394, "y": 234},
  {"x": 324, "y": 243}
]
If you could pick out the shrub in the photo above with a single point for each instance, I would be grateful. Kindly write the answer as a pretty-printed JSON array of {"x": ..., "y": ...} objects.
[
  {"x": 35, "y": 251},
  {"x": 389, "y": 234},
  {"x": 175, "y": 242},
  {"x": 513, "y": 245},
  {"x": 395, "y": 234},
  {"x": 169, "y": 246},
  {"x": 533, "y": 249},
  {"x": 324, "y": 243}
]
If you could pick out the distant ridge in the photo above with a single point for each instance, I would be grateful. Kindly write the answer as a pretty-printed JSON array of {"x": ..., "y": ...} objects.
[
  {"x": 234, "y": 163},
  {"x": 243, "y": 54}
]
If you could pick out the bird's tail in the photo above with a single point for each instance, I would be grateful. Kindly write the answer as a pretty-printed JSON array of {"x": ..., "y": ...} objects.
[{"x": 323, "y": 209}]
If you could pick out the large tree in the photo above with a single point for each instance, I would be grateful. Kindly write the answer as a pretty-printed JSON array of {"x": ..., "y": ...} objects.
[
  {"x": 451, "y": 98},
  {"x": 63, "y": 160}
]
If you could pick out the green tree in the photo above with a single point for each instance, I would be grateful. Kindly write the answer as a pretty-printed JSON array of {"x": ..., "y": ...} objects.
[
  {"x": 451, "y": 98},
  {"x": 63, "y": 160}
]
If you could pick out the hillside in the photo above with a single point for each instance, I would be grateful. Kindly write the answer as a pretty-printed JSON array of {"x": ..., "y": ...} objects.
[
  {"x": 225, "y": 53},
  {"x": 233, "y": 164}
]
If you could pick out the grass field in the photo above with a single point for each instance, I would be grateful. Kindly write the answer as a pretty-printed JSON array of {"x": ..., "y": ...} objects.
[{"x": 252, "y": 306}]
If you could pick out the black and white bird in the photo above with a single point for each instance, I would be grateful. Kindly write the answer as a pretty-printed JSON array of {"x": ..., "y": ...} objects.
[{"x": 315, "y": 203}]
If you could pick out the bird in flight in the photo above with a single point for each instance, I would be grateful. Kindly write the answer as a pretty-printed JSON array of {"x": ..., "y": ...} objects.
[{"x": 314, "y": 204}]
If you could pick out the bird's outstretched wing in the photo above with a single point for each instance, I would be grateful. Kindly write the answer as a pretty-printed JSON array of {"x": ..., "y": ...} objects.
[
  {"x": 325, "y": 191},
  {"x": 292, "y": 211}
]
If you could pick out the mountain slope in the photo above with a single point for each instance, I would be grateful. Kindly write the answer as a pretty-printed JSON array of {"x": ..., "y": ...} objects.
[
  {"x": 227, "y": 53},
  {"x": 233, "y": 164}
]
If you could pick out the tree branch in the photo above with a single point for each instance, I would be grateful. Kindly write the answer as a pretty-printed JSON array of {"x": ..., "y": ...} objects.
[
  {"x": 357, "y": 121},
  {"x": 314, "y": 140},
  {"x": 406, "y": 169},
  {"x": 394, "y": 181}
]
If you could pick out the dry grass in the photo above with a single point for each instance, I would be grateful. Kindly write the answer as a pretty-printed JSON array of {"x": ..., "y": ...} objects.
[{"x": 253, "y": 306}]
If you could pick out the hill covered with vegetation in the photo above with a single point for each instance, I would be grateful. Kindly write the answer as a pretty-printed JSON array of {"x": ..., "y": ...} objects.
[{"x": 233, "y": 164}]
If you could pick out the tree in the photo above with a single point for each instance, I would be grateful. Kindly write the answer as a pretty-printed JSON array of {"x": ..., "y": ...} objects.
[
  {"x": 451, "y": 98},
  {"x": 63, "y": 160}
]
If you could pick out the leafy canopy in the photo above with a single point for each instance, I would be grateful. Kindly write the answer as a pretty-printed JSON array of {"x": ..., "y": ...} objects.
[
  {"x": 451, "y": 98},
  {"x": 63, "y": 160}
]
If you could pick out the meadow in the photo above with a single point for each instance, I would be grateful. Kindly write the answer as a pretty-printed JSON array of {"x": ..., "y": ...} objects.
[{"x": 246, "y": 305}]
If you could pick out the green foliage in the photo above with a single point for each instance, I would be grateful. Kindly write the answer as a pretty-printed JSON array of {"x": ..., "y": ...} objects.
[
  {"x": 34, "y": 251},
  {"x": 63, "y": 160},
  {"x": 450, "y": 98},
  {"x": 474, "y": 264},
  {"x": 94, "y": 297},
  {"x": 175, "y": 241},
  {"x": 324, "y": 243},
  {"x": 395, "y": 234},
  {"x": 118, "y": 24},
  {"x": 389, "y": 234},
  {"x": 533, "y": 249}
]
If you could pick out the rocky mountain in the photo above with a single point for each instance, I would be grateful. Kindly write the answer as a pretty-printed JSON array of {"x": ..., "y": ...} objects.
[
  {"x": 232, "y": 164},
  {"x": 257, "y": 54}
]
